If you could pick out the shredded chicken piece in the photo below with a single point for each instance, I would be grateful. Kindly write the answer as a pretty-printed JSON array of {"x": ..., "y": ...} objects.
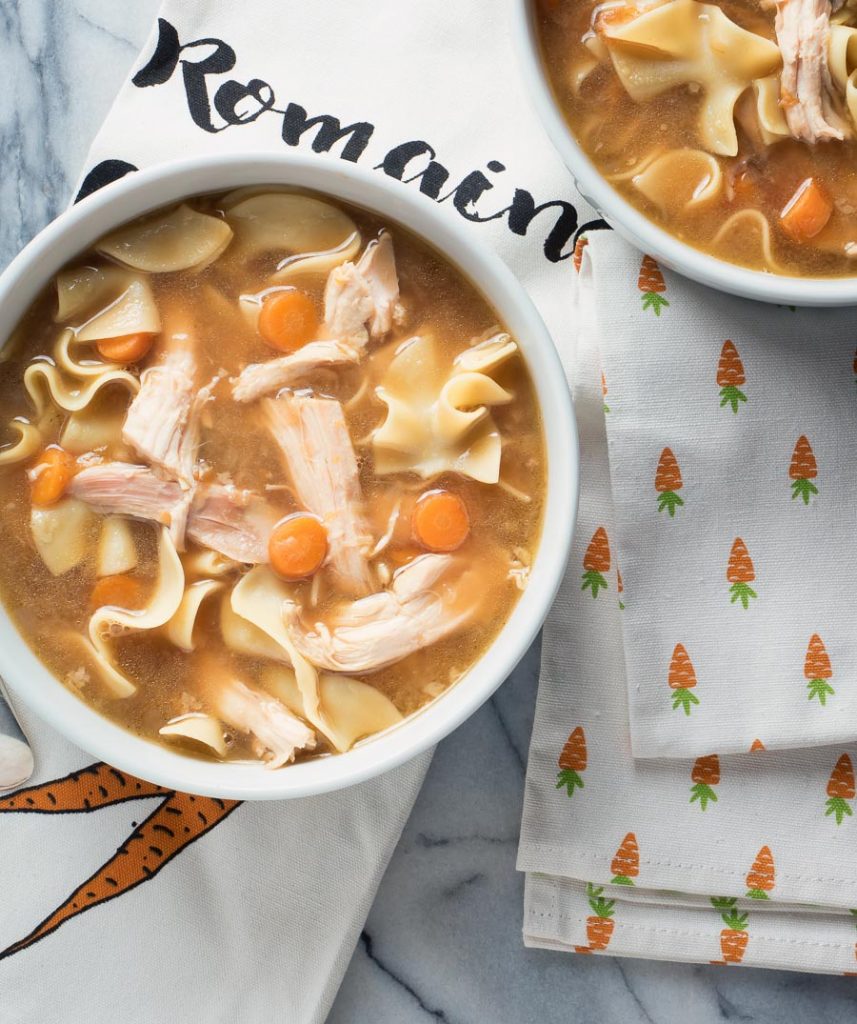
[
  {"x": 806, "y": 88},
  {"x": 222, "y": 517},
  {"x": 361, "y": 294},
  {"x": 277, "y": 733},
  {"x": 260, "y": 379},
  {"x": 381, "y": 629},
  {"x": 313, "y": 438}
]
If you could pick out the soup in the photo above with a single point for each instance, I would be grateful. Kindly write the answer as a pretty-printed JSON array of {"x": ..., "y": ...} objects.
[
  {"x": 273, "y": 479},
  {"x": 732, "y": 126}
]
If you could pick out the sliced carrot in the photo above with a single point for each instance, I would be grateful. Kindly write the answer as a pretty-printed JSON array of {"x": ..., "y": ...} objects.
[
  {"x": 807, "y": 212},
  {"x": 288, "y": 319},
  {"x": 51, "y": 475},
  {"x": 440, "y": 521},
  {"x": 297, "y": 546},
  {"x": 128, "y": 348},
  {"x": 118, "y": 591}
]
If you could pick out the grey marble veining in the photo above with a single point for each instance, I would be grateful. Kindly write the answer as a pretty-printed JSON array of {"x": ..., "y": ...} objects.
[{"x": 443, "y": 940}]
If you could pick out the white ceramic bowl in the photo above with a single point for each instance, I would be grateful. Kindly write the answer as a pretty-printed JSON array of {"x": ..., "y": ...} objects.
[
  {"x": 78, "y": 229},
  {"x": 635, "y": 226}
]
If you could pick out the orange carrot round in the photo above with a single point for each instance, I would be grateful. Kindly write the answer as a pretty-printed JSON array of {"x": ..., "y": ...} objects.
[
  {"x": 288, "y": 319},
  {"x": 128, "y": 348},
  {"x": 807, "y": 212},
  {"x": 118, "y": 591},
  {"x": 440, "y": 521},
  {"x": 51, "y": 475},
  {"x": 297, "y": 546}
]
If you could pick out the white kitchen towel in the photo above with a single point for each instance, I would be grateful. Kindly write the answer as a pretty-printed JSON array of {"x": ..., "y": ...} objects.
[
  {"x": 723, "y": 857},
  {"x": 256, "y": 920},
  {"x": 733, "y": 473}
]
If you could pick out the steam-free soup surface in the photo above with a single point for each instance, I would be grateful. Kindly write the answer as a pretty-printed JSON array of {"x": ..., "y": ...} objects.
[
  {"x": 183, "y": 446},
  {"x": 732, "y": 125}
]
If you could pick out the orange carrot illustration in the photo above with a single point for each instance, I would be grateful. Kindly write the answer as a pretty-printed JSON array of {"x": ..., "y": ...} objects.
[
  {"x": 572, "y": 761},
  {"x": 579, "y": 246},
  {"x": 730, "y": 377},
  {"x": 620, "y": 589},
  {"x": 668, "y": 482},
  {"x": 841, "y": 789},
  {"x": 682, "y": 679},
  {"x": 651, "y": 283},
  {"x": 734, "y": 937},
  {"x": 803, "y": 470},
  {"x": 99, "y": 785},
  {"x": 178, "y": 820},
  {"x": 626, "y": 863},
  {"x": 756, "y": 746},
  {"x": 760, "y": 878},
  {"x": 817, "y": 670},
  {"x": 599, "y": 927},
  {"x": 740, "y": 573},
  {"x": 604, "y": 391},
  {"x": 704, "y": 775},
  {"x": 596, "y": 562}
]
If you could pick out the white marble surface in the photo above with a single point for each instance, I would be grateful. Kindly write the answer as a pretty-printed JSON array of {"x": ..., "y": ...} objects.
[{"x": 443, "y": 941}]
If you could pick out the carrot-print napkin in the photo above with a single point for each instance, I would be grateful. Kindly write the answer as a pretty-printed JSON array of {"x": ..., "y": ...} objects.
[
  {"x": 714, "y": 855},
  {"x": 733, "y": 475}
]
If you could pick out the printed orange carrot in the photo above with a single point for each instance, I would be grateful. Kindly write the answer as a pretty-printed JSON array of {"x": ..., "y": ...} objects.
[
  {"x": 579, "y": 246},
  {"x": 599, "y": 926},
  {"x": 620, "y": 588},
  {"x": 682, "y": 679},
  {"x": 704, "y": 775},
  {"x": 761, "y": 876},
  {"x": 176, "y": 822},
  {"x": 817, "y": 670},
  {"x": 626, "y": 863},
  {"x": 99, "y": 785},
  {"x": 572, "y": 761},
  {"x": 604, "y": 391},
  {"x": 668, "y": 482},
  {"x": 756, "y": 746},
  {"x": 734, "y": 937},
  {"x": 841, "y": 789},
  {"x": 596, "y": 562},
  {"x": 651, "y": 283},
  {"x": 803, "y": 470},
  {"x": 740, "y": 573},
  {"x": 730, "y": 377}
]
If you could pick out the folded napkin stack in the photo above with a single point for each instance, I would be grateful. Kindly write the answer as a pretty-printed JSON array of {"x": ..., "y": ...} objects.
[{"x": 691, "y": 783}]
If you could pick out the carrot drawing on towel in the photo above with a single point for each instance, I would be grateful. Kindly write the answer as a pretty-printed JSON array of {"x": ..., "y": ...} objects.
[
  {"x": 730, "y": 377},
  {"x": 668, "y": 483},
  {"x": 599, "y": 926},
  {"x": 682, "y": 679},
  {"x": 620, "y": 588},
  {"x": 803, "y": 469},
  {"x": 740, "y": 573},
  {"x": 178, "y": 820},
  {"x": 572, "y": 761},
  {"x": 604, "y": 391},
  {"x": 626, "y": 863},
  {"x": 704, "y": 775},
  {"x": 734, "y": 937},
  {"x": 841, "y": 789},
  {"x": 818, "y": 671},
  {"x": 651, "y": 283},
  {"x": 756, "y": 746},
  {"x": 579, "y": 246},
  {"x": 760, "y": 878},
  {"x": 596, "y": 562}
]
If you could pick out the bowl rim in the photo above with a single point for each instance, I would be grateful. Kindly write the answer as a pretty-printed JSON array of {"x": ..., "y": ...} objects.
[
  {"x": 77, "y": 229},
  {"x": 633, "y": 225}
]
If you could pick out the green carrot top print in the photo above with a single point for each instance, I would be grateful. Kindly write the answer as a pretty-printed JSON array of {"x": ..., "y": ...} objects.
[
  {"x": 840, "y": 790},
  {"x": 730, "y": 377}
]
